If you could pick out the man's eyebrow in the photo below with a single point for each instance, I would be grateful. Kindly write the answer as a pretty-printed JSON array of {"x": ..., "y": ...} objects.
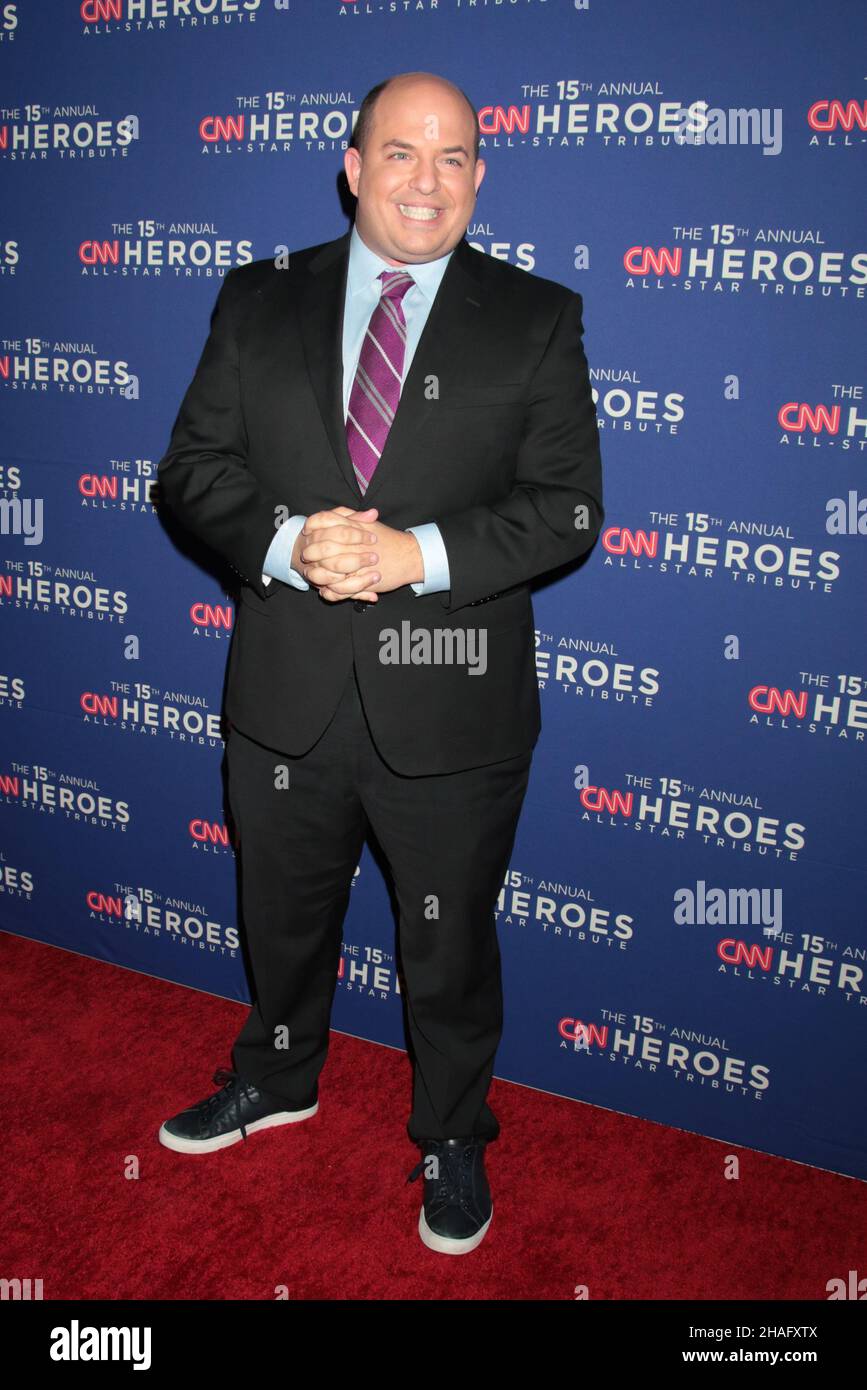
[{"x": 407, "y": 145}]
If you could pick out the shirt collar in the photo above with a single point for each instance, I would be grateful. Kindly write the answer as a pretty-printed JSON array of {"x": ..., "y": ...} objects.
[{"x": 365, "y": 266}]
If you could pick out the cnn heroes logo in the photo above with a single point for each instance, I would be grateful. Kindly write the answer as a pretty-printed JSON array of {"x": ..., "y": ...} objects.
[
  {"x": 8, "y": 22},
  {"x": 622, "y": 403},
  {"x": 109, "y": 16}
]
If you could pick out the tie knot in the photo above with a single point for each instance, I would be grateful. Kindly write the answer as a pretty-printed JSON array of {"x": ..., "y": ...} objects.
[{"x": 395, "y": 284}]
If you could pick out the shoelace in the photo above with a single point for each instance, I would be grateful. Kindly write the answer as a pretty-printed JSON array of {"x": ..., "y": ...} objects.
[
  {"x": 455, "y": 1165},
  {"x": 225, "y": 1078}
]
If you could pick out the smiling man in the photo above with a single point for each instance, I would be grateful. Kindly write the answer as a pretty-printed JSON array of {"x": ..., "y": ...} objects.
[{"x": 394, "y": 366}]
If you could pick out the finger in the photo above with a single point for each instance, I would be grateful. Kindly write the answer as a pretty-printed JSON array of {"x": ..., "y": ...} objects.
[
  {"x": 348, "y": 535},
  {"x": 341, "y": 566},
  {"x": 330, "y": 517},
  {"x": 320, "y": 576},
  {"x": 351, "y": 584},
  {"x": 332, "y": 596},
  {"x": 339, "y": 557},
  {"x": 334, "y": 516}
]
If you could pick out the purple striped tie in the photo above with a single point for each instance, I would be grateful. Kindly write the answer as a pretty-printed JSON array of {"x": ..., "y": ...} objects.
[{"x": 375, "y": 392}]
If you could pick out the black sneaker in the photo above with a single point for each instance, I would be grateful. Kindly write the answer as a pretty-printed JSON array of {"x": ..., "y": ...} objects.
[
  {"x": 457, "y": 1207},
  {"x": 230, "y": 1114}
]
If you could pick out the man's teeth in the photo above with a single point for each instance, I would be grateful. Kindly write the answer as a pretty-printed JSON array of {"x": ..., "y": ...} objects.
[{"x": 419, "y": 214}]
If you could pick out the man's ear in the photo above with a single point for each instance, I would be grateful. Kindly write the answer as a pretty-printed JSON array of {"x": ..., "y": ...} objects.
[{"x": 352, "y": 168}]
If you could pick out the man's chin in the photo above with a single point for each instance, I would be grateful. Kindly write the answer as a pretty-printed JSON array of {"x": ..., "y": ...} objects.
[
  {"x": 410, "y": 253},
  {"x": 422, "y": 246}
]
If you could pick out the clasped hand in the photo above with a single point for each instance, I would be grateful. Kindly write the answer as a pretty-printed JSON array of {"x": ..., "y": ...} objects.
[{"x": 349, "y": 554}]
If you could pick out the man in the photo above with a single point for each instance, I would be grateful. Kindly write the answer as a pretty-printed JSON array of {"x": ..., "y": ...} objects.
[{"x": 415, "y": 420}]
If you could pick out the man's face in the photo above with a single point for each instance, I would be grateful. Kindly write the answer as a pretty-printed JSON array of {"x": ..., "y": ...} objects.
[{"x": 416, "y": 183}]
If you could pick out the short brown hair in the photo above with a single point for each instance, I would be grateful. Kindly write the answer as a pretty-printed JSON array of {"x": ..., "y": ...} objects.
[{"x": 361, "y": 131}]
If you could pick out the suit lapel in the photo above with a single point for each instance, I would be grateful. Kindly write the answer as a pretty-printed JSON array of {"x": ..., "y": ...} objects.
[
  {"x": 321, "y": 318},
  {"x": 320, "y": 313}
]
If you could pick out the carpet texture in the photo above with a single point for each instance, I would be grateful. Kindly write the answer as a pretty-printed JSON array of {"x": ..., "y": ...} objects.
[{"x": 95, "y": 1057}]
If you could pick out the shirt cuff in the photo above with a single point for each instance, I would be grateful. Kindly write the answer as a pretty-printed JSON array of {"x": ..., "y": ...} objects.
[
  {"x": 277, "y": 561},
  {"x": 436, "y": 561}
]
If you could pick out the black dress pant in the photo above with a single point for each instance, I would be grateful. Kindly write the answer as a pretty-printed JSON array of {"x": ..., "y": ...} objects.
[{"x": 447, "y": 839}]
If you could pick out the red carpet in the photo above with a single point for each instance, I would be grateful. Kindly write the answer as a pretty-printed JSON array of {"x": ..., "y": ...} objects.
[{"x": 96, "y": 1057}]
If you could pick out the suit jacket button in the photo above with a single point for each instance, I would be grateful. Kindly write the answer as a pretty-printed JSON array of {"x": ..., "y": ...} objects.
[{"x": 359, "y": 605}]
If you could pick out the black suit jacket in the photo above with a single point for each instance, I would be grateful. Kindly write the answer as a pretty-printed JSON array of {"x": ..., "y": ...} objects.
[{"x": 495, "y": 439}]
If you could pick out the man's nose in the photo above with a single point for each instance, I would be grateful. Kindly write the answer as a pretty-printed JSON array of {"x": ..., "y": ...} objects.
[{"x": 425, "y": 178}]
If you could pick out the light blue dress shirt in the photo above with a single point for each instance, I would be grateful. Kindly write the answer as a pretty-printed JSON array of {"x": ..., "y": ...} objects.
[{"x": 362, "y": 295}]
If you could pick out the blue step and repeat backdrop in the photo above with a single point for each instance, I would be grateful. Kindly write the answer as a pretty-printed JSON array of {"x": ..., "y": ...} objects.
[{"x": 683, "y": 922}]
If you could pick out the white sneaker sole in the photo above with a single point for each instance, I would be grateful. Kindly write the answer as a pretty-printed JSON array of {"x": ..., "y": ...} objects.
[
  {"x": 448, "y": 1245},
  {"x": 232, "y": 1136}
]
